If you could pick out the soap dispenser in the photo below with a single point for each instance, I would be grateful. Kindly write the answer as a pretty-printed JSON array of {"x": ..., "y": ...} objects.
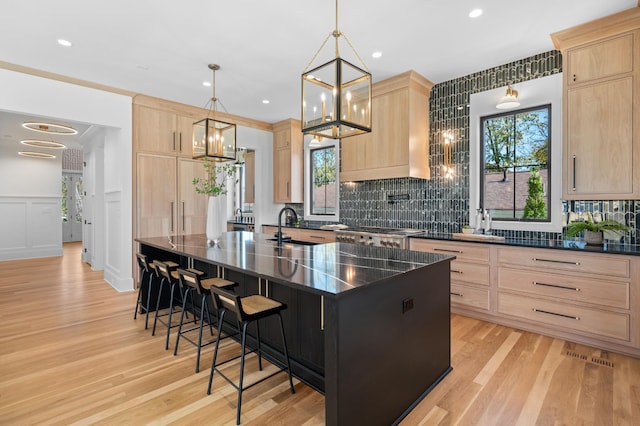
[{"x": 487, "y": 223}]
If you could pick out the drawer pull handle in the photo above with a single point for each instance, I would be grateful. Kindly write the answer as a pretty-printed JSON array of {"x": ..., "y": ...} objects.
[
  {"x": 556, "y": 286},
  {"x": 320, "y": 237},
  {"x": 447, "y": 250},
  {"x": 556, "y": 314},
  {"x": 556, "y": 261},
  {"x": 457, "y": 294},
  {"x": 456, "y": 272}
]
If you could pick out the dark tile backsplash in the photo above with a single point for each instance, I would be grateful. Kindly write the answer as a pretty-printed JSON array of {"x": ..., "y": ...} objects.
[{"x": 440, "y": 204}]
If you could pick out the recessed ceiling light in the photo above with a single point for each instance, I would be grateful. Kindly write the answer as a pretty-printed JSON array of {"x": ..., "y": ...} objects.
[
  {"x": 376, "y": 55},
  {"x": 206, "y": 83},
  {"x": 65, "y": 43},
  {"x": 475, "y": 13},
  {"x": 35, "y": 154},
  {"x": 39, "y": 143},
  {"x": 142, "y": 67},
  {"x": 56, "y": 129},
  {"x": 265, "y": 101}
]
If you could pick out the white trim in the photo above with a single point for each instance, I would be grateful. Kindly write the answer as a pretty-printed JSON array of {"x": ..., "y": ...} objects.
[{"x": 541, "y": 91}]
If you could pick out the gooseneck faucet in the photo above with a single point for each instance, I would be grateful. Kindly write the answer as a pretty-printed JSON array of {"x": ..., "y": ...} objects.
[
  {"x": 238, "y": 210},
  {"x": 295, "y": 216}
]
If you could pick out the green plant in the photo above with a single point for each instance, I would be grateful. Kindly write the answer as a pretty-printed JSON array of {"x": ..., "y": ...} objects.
[
  {"x": 574, "y": 228},
  {"x": 216, "y": 176},
  {"x": 535, "y": 207},
  {"x": 465, "y": 226}
]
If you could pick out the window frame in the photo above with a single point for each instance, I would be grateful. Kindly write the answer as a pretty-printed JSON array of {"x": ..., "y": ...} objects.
[
  {"x": 532, "y": 93},
  {"x": 550, "y": 178},
  {"x": 326, "y": 143}
]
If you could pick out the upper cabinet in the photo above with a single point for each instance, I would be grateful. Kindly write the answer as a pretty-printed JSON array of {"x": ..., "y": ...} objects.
[
  {"x": 288, "y": 162},
  {"x": 398, "y": 145},
  {"x": 163, "y": 131},
  {"x": 601, "y": 132}
]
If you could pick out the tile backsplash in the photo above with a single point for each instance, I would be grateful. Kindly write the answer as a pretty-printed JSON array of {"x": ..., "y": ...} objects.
[{"x": 440, "y": 204}]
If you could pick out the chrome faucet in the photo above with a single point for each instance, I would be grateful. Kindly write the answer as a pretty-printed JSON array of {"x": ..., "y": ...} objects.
[
  {"x": 295, "y": 216},
  {"x": 238, "y": 210}
]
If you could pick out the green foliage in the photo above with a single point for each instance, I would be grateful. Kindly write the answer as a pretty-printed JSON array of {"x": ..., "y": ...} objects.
[
  {"x": 324, "y": 166},
  {"x": 535, "y": 207},
  {"x": 574, "y": 228},
  {"x": 216, "y": 176}
]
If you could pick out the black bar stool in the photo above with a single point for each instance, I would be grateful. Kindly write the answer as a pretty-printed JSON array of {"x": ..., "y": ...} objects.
[
  {"x": 167, "y": 271},
  {"x": 146, "y": 269},
  {"x": 247, "y": 309},
  {"x": 191, "y": 282}
]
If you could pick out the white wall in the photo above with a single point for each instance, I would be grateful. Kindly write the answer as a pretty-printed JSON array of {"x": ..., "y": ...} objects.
[{"x": 27, "y": 94}]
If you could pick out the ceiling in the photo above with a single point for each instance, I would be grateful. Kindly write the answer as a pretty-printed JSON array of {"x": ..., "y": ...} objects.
[{"x": 162, "y": 47}]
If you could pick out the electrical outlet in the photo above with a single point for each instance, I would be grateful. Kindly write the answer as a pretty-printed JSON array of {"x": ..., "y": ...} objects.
[{"x": 407, "y": 305}]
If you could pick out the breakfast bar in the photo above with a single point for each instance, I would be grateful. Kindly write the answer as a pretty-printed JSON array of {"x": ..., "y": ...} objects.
[{"x": 368, "y": 326}]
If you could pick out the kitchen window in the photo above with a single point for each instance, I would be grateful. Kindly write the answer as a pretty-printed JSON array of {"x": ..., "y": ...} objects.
[
  {"x": 322, "y": 185},
  {"x": 515, "y": 158},
  {"x": 514, "y": 166}
]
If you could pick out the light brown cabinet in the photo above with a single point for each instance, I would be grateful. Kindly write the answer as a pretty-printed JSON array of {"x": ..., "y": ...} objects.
[
  {"x": 601, "y": 131},
  {"x": 288, "y": 162},
  {"x": 470, "y": 272},
  {"x": 398, "y": 145},
  {"x": 250, "y": 177},
  {"x": 589, "y": 298},
  {"x": 163, "y": 131}
]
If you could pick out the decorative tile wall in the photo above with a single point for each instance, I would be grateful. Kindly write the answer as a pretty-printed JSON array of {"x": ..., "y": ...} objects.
[{"x": 440, "y": 204}]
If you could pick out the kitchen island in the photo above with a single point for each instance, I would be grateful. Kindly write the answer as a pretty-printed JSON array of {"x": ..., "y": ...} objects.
[{"x": 368, "y": 326}]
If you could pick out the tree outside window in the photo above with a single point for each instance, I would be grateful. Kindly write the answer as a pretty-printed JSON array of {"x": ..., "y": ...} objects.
[
  {"x": 324, "y": 184},
  {"x": 515, "y": 170}
]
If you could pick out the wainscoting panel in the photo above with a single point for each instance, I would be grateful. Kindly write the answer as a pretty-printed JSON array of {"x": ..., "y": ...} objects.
[{"x": 30, "y": 227}]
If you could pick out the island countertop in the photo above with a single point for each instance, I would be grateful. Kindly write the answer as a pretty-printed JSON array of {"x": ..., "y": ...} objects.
[{"x": 327, "y": 269}]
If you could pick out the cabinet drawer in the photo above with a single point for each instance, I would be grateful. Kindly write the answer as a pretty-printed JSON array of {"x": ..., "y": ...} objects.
[
  {"x": 603, "y": 291},
  {"x": 564, "y": 260},
  {"x": 599, "y": 60},
  {"x": 470, "y": 296},
  {"x": 314, "y": 236},
  {"x": 462, "y": 251},
  {"x": 470, "y": 272},
  {"x": 559, "y": 314}
]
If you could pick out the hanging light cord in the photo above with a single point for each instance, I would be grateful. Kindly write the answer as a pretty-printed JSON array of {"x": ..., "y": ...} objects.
[
  {"x": 336, "y": 33},
  {"x": 214, "y": 100}
]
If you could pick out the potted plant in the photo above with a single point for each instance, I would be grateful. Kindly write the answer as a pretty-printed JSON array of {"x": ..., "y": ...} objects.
[
  {"x": 214, "y": 184},
  {"x": 593, "y": 231},
  {"x": 467, "y": 230}
]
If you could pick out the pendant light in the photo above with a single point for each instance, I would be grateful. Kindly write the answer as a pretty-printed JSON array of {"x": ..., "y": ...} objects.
[
  {"x": 336, "y": 96},
  {"x": 509, "y": 100},
  {"x": 214, "y": 139}
]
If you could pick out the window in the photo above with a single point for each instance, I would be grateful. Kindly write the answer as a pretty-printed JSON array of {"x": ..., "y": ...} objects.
[
  {"x": 515, "y": 168},
  {"x": 543, "y": 93},
  {"x": 321, "y": 180}
]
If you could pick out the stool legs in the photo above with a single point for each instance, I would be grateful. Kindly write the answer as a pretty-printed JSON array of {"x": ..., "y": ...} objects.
[
  {"x": 244, "y": 341},
  {"x": 155, "y": 319},
  {"x": 203, "y": 308},
  {"x": 139, "y": 301},
  {"x": 215, "y": 351},
  {"x": 286, "y": 353}
]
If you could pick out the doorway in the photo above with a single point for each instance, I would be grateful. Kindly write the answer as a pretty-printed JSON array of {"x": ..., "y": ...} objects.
[{"x": 72, "y": 203}]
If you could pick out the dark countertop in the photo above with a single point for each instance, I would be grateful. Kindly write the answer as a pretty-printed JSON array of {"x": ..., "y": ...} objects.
[
  {"x": 333, "y": 268},
  {"x": 304, "y": 225},
  {"x": 575, "y": 245}
]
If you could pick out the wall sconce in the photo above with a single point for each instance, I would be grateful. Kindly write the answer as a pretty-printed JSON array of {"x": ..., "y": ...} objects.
[
  {"x": 447, "y": 166},
  {"x": 509, "y": 100}
]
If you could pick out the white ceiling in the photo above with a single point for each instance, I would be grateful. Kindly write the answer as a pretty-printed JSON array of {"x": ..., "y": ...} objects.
[{"x": 162, "y": 47}]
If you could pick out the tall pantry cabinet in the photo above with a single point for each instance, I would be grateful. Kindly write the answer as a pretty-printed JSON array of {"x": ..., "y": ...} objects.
[
  {"x": 601, "y": 134},
  {"x": 166, "y": 201}
]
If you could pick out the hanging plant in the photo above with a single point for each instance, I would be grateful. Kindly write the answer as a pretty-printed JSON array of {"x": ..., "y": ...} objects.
[{"x": 216, "y": 176}]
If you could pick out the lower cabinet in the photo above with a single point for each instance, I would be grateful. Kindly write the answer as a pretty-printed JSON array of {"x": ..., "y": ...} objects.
[{"x": 588, "y": 298}]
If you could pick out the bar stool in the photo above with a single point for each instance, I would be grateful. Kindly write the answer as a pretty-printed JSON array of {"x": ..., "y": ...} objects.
[
  {"x": 148, "y": 269},
  {"x": 191, "y": 282},
  {"x": 247, "y": 309},
  {"x": 167, "y": 271}
]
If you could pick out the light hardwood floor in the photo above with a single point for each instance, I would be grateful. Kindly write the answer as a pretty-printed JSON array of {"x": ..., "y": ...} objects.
[{"x": 71, "y": 353}]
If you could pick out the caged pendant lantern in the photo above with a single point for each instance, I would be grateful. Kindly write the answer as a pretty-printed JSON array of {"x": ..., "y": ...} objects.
[
  {"x": 214, "y": 139},
  {"x": 336, "y": 96}
]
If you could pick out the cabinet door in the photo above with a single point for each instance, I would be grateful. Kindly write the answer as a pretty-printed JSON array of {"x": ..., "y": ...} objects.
[
  {"x": 192, "y": 207},
  {"x": 282, "y": 139},
  {"x": 389, "y": 121},
  {"x": 282, "y": 176},
  {"x": 352, "y": 154},
  {"x": 154, "y": 130},
  {"x": 156, "y": 193},
  {"x": 600, "y": 60},
  {"x": 599, "y": 155},
  {"x": 250, "y": 177},
  {"x": 184, "y": 136}
]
